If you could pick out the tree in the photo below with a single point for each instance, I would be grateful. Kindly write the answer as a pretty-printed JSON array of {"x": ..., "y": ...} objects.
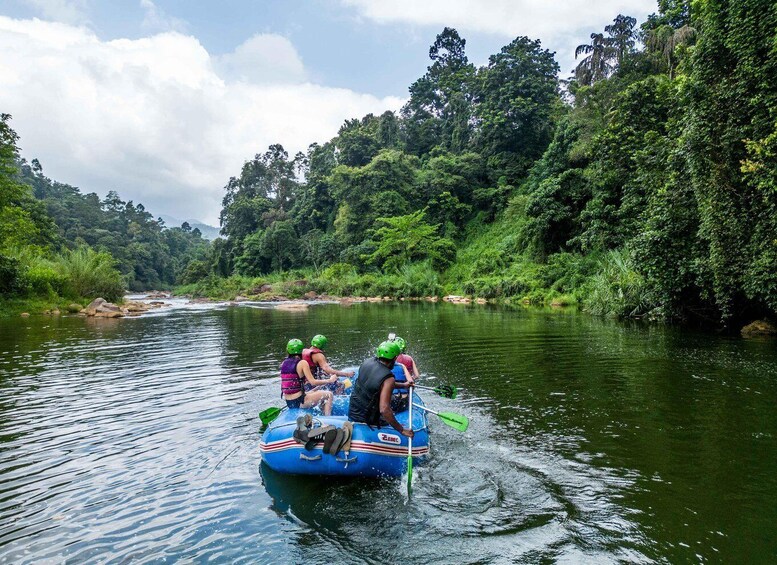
[
  {"x": 622, "y": 36},
  {"x": 402, "y": 239},
  {"x": 596, "y": 65},
  {"x": 518, "y": 99}
]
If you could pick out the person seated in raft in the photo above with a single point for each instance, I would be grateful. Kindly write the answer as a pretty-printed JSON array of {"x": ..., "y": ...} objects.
[
  {"x": 295, "y": 372},
  {"x": 315, "y": 357},
  {"x": 403, "y": 380},
  {"x": 405, "y": 359},
  {"x": 371, "y": 396}
]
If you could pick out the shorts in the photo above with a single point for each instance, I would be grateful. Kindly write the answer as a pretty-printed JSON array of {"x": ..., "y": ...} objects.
[{"x": 296, "y": 403}]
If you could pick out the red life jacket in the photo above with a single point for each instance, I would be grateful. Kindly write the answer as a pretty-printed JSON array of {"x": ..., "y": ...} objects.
[
  {"x": 291, "y": 382},
  {"x": 307, "y": 355},
  {"x": 406, "y": 360}
]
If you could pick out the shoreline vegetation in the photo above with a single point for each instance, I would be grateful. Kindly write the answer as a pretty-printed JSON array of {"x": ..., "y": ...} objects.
[{"x": 643, "y": 187}]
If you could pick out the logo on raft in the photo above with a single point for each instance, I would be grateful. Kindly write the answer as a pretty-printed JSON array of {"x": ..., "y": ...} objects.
[{"x": 389, "y": 438}]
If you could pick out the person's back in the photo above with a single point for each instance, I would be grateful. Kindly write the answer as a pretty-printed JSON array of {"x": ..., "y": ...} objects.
[{"x": 366, "y": 392}]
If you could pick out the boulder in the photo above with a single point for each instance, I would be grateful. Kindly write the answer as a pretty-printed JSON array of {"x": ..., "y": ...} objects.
[
  {"x": 265, "y": 288},
  {"x": 239, "y": 298},
  {"x": 759, "y": 327},
  {"x": 481, "y": 301},
  {"x": 292, "y": 306},
  {"x": 136, "y": 307},
  {"x": 25, "y": 314},
  {"x": 74, "y": 308},
  {"x": 311, "y": 295},
  {"x": 99, "y": 307}
]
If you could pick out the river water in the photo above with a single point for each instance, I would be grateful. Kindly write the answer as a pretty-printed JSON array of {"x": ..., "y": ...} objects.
[{"x": 590, "y": 441}]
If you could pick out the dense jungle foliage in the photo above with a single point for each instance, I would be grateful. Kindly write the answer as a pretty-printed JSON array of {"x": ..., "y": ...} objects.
[
  {"x": 646, "y": 185},
  {"x": 58, "y": 245}
]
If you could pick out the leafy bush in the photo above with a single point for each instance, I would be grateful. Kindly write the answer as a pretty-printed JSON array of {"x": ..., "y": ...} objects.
[
  {"x": 90, "y": 273},
  {"x": 12, "y": 280},
  {"x": 618, "y": 290}
]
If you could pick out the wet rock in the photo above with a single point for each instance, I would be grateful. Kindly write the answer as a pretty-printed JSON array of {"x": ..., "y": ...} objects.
[
  {"x": 311, "y": 295},
  {"x": 346, "y": 302},
  {"x": 759, "y": 327},
  {"x": 158, "y": 294},
  {"x": 239, "y": 298},
  {"x": 292, "y": 306},
  {"x": 481, "y": 301},
  {"x": 454, "y": 299},
  {"x": 431, "y": 298},
  {"x": 374, "y": 299},
  {"x": 74, "y": 308},
  {"x": 136, "y": 307},
  {"x": 101, "y": 308}
]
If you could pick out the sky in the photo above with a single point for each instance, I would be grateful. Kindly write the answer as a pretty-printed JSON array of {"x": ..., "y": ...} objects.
[{"x": 164, "y": 100}]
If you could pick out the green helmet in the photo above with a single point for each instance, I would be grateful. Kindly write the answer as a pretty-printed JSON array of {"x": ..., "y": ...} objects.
[
  {"x": 295, "y": 346},
  {"x": 388, "y": 350},
  {"x": 319, "y": 341},
  {"x": 401, "y": 343}
]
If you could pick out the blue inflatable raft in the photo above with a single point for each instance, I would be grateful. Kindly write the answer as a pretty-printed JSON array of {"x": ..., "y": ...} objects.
[{"x": 373, "y": 452}]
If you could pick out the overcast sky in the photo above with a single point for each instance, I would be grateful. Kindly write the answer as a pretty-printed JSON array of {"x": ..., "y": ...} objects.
[{"x": 163, "y": 100}]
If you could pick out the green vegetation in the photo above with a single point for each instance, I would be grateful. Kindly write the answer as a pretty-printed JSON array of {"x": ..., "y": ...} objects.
[
  {"x": 58, "y": 246},
  {"x": 646, "y": 186}
]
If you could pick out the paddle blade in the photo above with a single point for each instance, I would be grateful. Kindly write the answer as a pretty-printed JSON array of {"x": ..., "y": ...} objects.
[
  {"x": 409, "y": 474},
  {"x": 267, "y": 416},
  {"x": 455, "y": 421}
]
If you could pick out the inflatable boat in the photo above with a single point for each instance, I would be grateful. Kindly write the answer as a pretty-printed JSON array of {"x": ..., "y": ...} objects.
[{"x": 331, "y": 445}]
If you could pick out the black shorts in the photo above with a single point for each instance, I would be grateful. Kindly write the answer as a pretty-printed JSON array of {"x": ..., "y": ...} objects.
[{"x": 296, "y": 403}]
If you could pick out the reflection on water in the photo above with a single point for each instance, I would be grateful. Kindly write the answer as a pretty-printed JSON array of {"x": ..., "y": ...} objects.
[{"x": 590, "y": 441}]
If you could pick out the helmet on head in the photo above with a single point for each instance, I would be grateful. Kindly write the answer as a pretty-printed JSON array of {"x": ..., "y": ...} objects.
[
  {"x": 388, "y": 350},
  {"x": 295, "y": 347},
  {"x": 401, "y": 343},
  {"x": 319, "y": 341}
]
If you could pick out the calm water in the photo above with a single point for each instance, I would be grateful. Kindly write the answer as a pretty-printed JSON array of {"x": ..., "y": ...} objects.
[{"x": 591, "y": 441}]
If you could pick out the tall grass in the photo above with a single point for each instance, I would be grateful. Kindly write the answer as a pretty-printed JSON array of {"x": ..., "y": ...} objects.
[
  {"x": 90, "y": 273},
  {"x": 618, "y": 290}
]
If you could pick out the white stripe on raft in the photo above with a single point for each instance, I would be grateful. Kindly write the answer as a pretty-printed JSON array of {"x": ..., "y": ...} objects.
[{"x": 356, "y": 446}]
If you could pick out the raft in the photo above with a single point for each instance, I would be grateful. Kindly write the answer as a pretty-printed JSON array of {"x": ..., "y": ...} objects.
[{"x": 374, "y": 452}]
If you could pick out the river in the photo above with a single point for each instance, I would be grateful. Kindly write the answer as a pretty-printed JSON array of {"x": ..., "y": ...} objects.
[{"x": 590, "y": 441}]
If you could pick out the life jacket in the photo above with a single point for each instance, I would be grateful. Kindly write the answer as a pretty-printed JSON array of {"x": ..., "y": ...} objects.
[
  {"x": 365, "y": 398},
  {"x": 399, "y": 376},
  {"x": 407, "y": 361},
  {"x": 291, "y": 382},
  {"x": 307, "y": 355}
]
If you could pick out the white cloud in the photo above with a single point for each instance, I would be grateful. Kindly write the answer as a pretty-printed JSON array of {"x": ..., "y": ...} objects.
[
  {"x": 68, "y": 11},
  {"x": 263, "y": 58},
  {"x": 560, "y": 24},
  {"x": 155, "y": 19},
  {"x": 152, "y": 117}
]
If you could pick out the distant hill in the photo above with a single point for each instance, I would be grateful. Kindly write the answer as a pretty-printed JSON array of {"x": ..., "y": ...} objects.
[{"x": 208, "y": 232}]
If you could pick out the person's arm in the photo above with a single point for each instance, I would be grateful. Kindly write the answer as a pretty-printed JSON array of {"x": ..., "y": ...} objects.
[
  {"x": 386, "y": 390},
  {"x": 324, "y": 364},
  {"x": 305, "y": 368},
  {"x": 416, "y": 374}
]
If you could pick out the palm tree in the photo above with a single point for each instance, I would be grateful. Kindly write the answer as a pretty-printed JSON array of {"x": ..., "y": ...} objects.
[
  {"x": 622, "y": 35},
  {"x": 665, "y": 39},
  {"x": 596, "y": 65}
]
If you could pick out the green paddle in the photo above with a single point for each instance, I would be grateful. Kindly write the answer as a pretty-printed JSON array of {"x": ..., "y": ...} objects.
[
  {"x": 267, "y": 416},
  {"x": 446, "y": 391},
  {"x": 410, "y": 445},
  {"x": 455, "y": 421}
]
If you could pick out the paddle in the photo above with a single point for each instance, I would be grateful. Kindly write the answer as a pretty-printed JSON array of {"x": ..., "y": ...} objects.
[
  {"x": 455, "y": 421},
  {"x": 410, "y": 444},
  {"x": 446, "y": 391},
  {"x": 267, "y": 416}
]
